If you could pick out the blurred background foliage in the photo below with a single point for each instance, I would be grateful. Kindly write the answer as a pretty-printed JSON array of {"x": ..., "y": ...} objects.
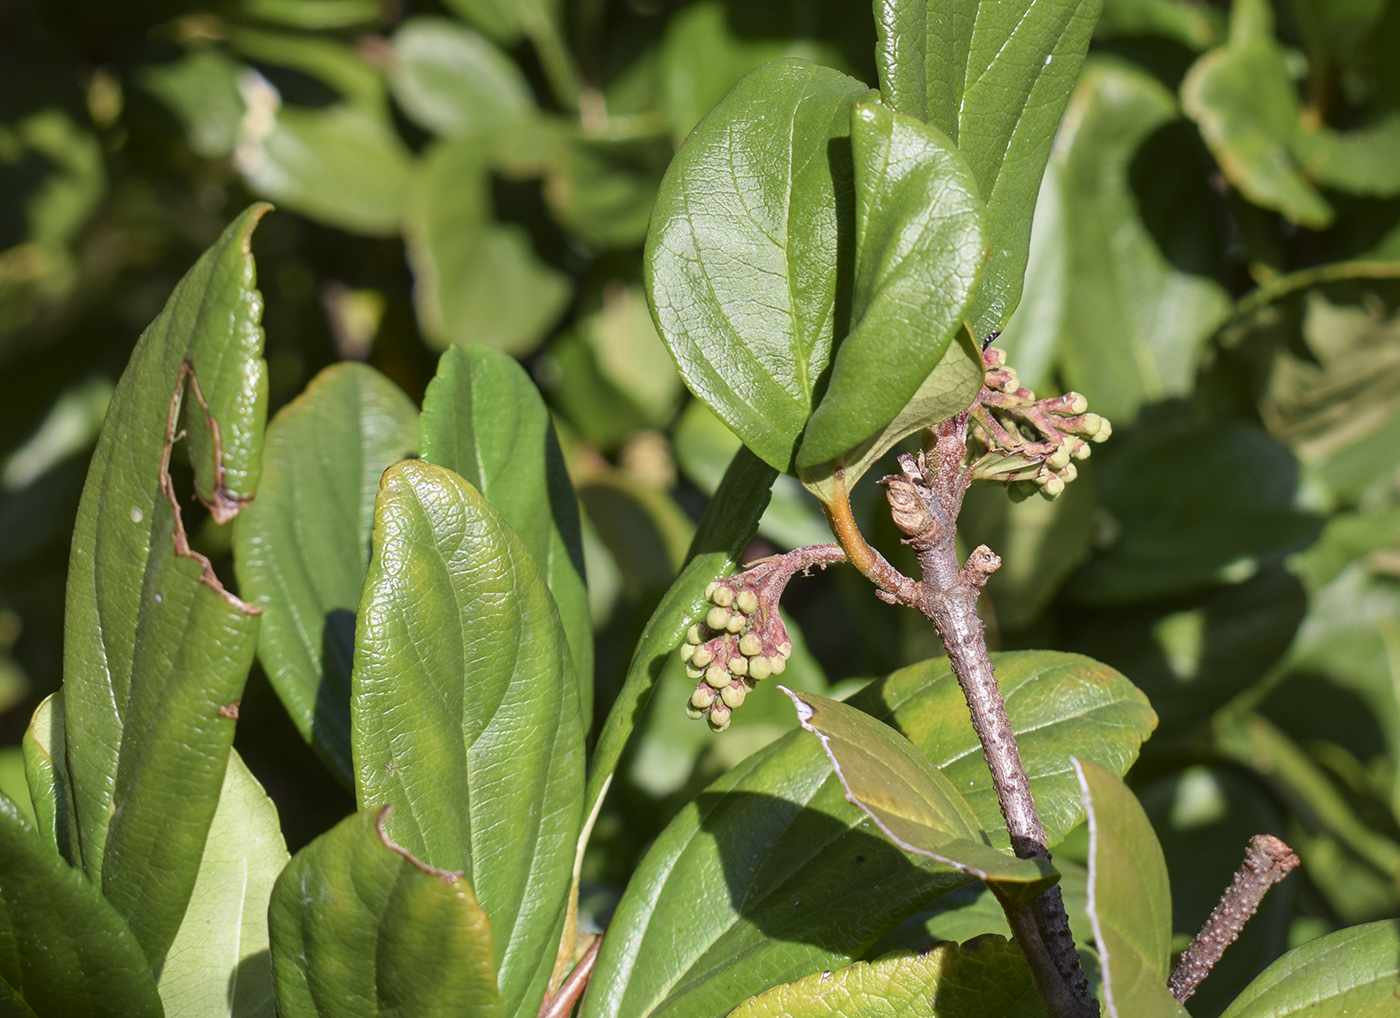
[{"x": 1215, "y": 264}]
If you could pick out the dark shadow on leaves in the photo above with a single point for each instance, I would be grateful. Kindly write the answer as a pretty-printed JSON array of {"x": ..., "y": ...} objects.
[
  {"x": 250, "y": 984},
  {"x": 330, "y": 724}
]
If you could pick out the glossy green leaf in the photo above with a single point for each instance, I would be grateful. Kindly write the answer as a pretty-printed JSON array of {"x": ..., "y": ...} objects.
[
  {"x": 453, "y": 82},
  {"x": 770, "y": 874},
  {"x": 156, "y": 652},
  {"x": 1351, "y": 972},
  {"x": 476, "y": 742},
  {"x": 747, "y": 235},
  {"x": 1246, "y": 104},
  {"x": 1159, "y": 537},
  {"x": 1117, "y": 288},
  {"x": 46, "y": 773},
  {"x": 910, "y": 800},
  {"x": 302, "y": 548},
  {"x": 63, "y": 948},
  {"x": 602, "y": 188},
  {"x": 729, "y": 523},
  {"x": 1130, "y": 904},
  {"x": 995, "y": 79},
  {"x": 219, "y": 963},
  {"x": 919, "y": 250},
  {"x": 476, "y": 280},
  {"x": 340, "y": 166},
  {"x": 360, "y": 928},
  {"x": 201, "y": 89},
  {"x": 986, "y": 978},
  {"x": 483, "y": 418}
]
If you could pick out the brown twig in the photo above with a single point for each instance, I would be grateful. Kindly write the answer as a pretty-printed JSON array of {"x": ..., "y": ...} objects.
[
  {"x": 559, "y": 1005},
  {"x": 924, "y": 503},
  {"x": 1267, "y": 860}
]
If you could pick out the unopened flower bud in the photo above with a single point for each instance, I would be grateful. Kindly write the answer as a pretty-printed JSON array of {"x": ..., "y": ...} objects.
[
  {"x": 747, "y": 602},
  {"x": 702, "y": 697},
  {"x": 785, "y": 649},
  {"x": 717, "y": 676},
  {"x": 692, "y": 635},
  {"x": 719, "y": 717},
  {"x": 717, "y": 618},
  {"x": 1052, "y": 486},
  {"x": 723, "y": 596},
  {"x": 687, "y": 651},
  {"x": 1104, "y": 430},
  {"x": 702, "y": 656},
  {"x": 750, "y": 644},
  {"x": 693, "y": 713},
  {"x": 1075, "y": 403},
  {"x": 777, "y": 664},
  {"x": 736, "y": 622},
  {"x": 1059, "y": 459},
  {"x": 691, "y": 672},
  {"x": 733, "y": 695},
  {"x": 710, "y": 589},
  {"x": 1069, "y": 473},
  {"x": 759, "y": 668}
]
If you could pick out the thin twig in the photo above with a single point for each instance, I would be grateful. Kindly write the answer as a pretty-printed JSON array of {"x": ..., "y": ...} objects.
[
  {"x": 1267, "y": 860},
  {"x": 559, "y": 1005}
]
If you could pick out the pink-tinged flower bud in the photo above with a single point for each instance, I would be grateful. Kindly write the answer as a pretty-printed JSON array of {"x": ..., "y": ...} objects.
[
  {"x": 703, "y": 655},
  {"x": 747, "y": 602},
  {"x": 703, "y": 697},
  {"x": 736, "y": 623},
  {"x": 750, "y": 644},
  {"x": 785, "y": 648},
  {"x": 717, "y": 619},
  {"x": 1052, "y": 486},
  {"x": 719, "y": 717},
  {"x": 733, "y": 695},
  {"x": 717, "y": 676},
  {"x": 739, "y": 665},
  {"x": 759, "y": 668},
  {"x": 778, "y": 664},
  {"x": 1059, "y": 459},
  {"x": 722, "y": 596}
]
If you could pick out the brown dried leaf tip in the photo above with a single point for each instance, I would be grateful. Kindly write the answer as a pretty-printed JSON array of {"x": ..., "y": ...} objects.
[{"x": 1029, "y": 444}]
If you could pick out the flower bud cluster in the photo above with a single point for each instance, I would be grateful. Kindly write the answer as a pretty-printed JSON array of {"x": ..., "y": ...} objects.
[
  {"x": 1026, "y": 443},
  {"x": 739, "y": 642}
]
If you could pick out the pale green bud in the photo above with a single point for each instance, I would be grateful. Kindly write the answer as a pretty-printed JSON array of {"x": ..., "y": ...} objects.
[
  {"x": 1069, "y": 473},
  {"x": 779, "y": 665},
  {"x": 1059, "y": 459},
  {"x": 693, "y": 714},
  {"x": 692, "y": 635},
  {"x": 733, "y": 696},
  {"x": 719, "y": 717},
  {"x": 723, "y": 596},
  {"x": 759, "y": 668},
  {"x": 717, "y": 676},
  {"x": 717, "y": 618},
  {"x": 1052, "y": 486},
  {"x": 691, "y": 672},
  {"x": 747, "y": 602},
  {"x": 1077, "y": 403},
  {"x": 785, "y": 649},
  {"x": 736, "y": 623},
  {"x": 750, "y": 644},
  {"x": 702, "y": 697},
  {"x": 702, "y": 656},
  {"x": 739, "y": 665},
  {"x": 710, "y": 589},
  {"x": 687, "y": 651}
]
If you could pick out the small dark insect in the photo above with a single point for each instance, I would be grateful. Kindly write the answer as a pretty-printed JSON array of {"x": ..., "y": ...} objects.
[{"x": 991, "y": 338}]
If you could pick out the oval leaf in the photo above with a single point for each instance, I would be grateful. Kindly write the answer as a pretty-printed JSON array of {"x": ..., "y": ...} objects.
[
  {"x": 360, "y": 928},
  {"x": 465, "y": 712},
  {"x": 484, "y": 419},
  {"x": 156, "y": 652},
  {"x": 301, "y": 550},
  {"x": 749, "y": 230},
  {"x": 1130, "y": 904},
  {"x": 63, "y": 949},
  {"x": 909, "y": 799},
  {"x": 919, "y": 250},
  {"x": 219, "y": 962},
  {"x": 995, "y": 79},
  {"x": 452, "y": 81},
  {"x": 770, "y": 874},
  {"x": 1351, "y": 972},
  {"x": 983, "y": 978}
]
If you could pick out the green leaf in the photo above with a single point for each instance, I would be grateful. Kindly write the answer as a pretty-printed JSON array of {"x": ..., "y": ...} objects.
[
  {"x": 219, "y": 963},
  {"x": 63, "y": 949},
  {"x": 1188, "y": 23},
  {"x": 340, "y": 166},
  {"x": 910, "y": 800},
  {"x": 729, "y": 523},
  {"x": 1246, "y": 105},
  {"x": 630, "y": 357},
  {"x": 747, "y": 235},
  {"x": 1130, "y": 904},
  {"x": 1350, "y": 972},
  {"x": 1118, "y": 288},
  {"x": 201, "y": 89},
  {"x": 476, "y": 280},
  {"x": 1363, "y": 161},
  {"x": 770, "y": 874},
  {"x": 302, "y": 548},
  {"x": 337, "y": 63},
  {"x": 505, "y": 20},
  {"x": 995, "y": 79},
  {"x": 479, "y": 743},
  {"x": 156, "y": 652},
  {"x": 984, "y": 978},
  {"x": 483, "y": 418},
  {"x": 1160, "y": 537},
  {"x": 602, "y": 188},
  {"x": 919, "y": 249},
  {"x": 46, "y": 773},
  {"x": 314, "y": 14},
  {"x": 453, "y": 82},
  {"x": 361, "y": 928}
]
